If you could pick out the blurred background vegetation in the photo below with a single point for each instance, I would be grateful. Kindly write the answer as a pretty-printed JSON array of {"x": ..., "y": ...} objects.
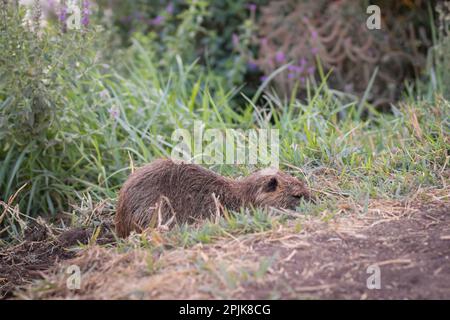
[{"x": 78, "y": 106}]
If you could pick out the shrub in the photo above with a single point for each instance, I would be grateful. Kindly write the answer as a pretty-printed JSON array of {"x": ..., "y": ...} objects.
[
  {"x": 39, "y": 66},
  {"x": 213, "y": 32},
  {"x": 302, "y": 32}
]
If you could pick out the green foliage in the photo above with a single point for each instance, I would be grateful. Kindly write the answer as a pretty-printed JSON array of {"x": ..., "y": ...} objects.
[
  {"x": 39, "y": 67},
  {"x": 30, "y": 98},
  {"x": 193, "y": 30}
]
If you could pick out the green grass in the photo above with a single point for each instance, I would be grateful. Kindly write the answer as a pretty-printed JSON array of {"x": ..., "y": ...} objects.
[{"x": 377, "y": 155}]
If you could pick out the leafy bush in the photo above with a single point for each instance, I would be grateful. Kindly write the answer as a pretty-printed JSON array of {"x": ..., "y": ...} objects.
[
  {"x": 213, "y": 32},
  {"x": 29, "y": 94},
  {"x": 301, "y": 32},
  {"x": 39, "y": 66}
]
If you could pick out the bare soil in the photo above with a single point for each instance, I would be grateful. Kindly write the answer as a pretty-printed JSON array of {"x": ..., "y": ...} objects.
[
  {"x": 413, "y": 255},
  {"x": 40, "y": 250}
]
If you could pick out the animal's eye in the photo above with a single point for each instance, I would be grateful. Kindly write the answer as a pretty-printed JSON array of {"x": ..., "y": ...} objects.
[{"x": 298, "y": 196}]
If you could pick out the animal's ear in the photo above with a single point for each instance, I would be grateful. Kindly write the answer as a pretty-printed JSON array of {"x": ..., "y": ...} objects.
[{"x": 271, "y": 185}]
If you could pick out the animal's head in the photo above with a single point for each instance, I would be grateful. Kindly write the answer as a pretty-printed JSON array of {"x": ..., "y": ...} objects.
[{"x": 274, "y": 188}]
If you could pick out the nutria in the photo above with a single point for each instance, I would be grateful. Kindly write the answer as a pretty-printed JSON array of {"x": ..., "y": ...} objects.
[{"x": 182, "y": 192}]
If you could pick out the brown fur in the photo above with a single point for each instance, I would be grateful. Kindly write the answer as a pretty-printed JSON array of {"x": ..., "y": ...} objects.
[{"x": 188, "y": 192}]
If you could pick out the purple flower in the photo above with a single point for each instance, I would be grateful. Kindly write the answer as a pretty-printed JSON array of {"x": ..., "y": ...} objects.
[
  {"x": 86, "y": 6},
  {"x": 302, "y": 79},
  {"x": 235, "y": 39},
  {"x": 314, "y": 34},
  {"x": 114, "y": 112},
  {"x": 104, "y": 94},
  {"x": 291, "y": 75},
  {"x": 62, "y": 14},
  {"x": 296, "y": 69},
  {"x": 126, "y": 19},
  {"x": 169, "y": 8},
  {"x": 157, "y": 21},
  {"x": 86, "y": 12},
  {"x": 280, "y": 57},
  {"x": 311, "y": 70},
  {"x": 314, "y": 50},
  {"x": 252, "y": 7},
  {"x": 85, "y": 20},
  {"x": 264, "y": 41},
  {"x": 302, "y": 62},
  {"x": 62, "y": 17},
  {"x": 51, "y": 3},
  {"x": 252, "y": 66},
  {"x": 263, "y": 78}
]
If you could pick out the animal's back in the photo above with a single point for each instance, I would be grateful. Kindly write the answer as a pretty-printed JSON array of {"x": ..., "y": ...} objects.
[{"x": 185, "y": 190}]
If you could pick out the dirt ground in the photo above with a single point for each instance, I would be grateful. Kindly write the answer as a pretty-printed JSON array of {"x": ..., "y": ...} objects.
[
  {"x": 408, "y": 241},
  {"x": 41, "y": 249},
  {"x": 413, "y": 254}
]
